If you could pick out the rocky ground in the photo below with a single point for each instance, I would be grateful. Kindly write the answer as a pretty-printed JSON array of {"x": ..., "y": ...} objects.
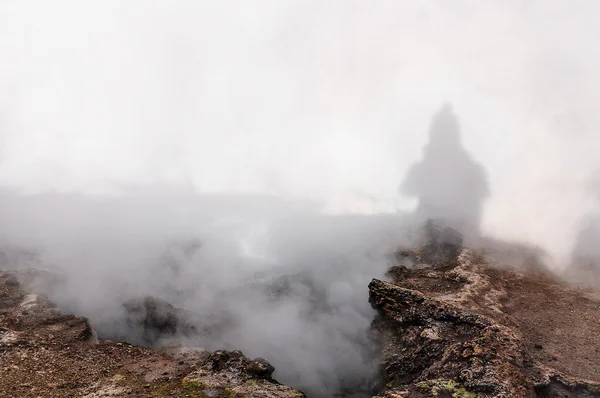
[
  {"x": 46, "y": 354},
  {"x": 448, "y": 325},
  {"x": 465, "y": 329}
]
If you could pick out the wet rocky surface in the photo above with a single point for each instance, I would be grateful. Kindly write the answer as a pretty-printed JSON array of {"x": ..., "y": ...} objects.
[
  {"x": 449, "y": 323},
  {"x": 463, "y": 328},
  {"x": 44, "y": 353}
]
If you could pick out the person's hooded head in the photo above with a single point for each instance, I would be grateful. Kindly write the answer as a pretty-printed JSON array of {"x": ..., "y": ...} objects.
[{"x": 444, "y": 130}]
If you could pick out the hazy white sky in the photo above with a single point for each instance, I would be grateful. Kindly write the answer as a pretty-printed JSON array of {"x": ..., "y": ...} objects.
[{"x": 328, "y": 100}]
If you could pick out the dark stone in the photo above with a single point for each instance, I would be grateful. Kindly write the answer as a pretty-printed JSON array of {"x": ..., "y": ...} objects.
[
  {"x": 150, "y": 319},
  {"x": 12, "y": 281},
  {"x": 427, "y": 339},
  {"x": 235, "y": 361},
  {"x": 261, "y": 368},
  {"x": 443, "y": 245}
]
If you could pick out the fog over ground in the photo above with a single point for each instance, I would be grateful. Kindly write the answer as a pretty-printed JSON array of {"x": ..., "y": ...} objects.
[
  {"x": 326, "y": 100},
  {"x": 132, "y": 125}
]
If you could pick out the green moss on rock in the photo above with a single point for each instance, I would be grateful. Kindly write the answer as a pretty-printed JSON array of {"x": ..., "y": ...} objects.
[{"x": 437, "y": 386}]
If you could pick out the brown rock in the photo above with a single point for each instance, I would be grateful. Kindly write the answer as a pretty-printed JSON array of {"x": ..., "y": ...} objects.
[
  {"x": 75, "y": 365},
  {"x": 466, "y": 329}
]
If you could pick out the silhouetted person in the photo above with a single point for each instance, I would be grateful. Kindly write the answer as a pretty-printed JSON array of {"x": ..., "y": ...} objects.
[{"x": 451, "y": 187}]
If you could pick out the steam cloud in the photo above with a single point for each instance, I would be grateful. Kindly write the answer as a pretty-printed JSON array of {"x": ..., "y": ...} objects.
[
  {"x": 129, "y": 131},
  {"x": 273, "y": 279}
]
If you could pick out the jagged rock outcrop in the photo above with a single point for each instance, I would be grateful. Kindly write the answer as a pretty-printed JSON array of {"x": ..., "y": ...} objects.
[
  {"x": 230, "y": 374},
  {"x": 44, "y": 353},
  {"x": 465, "y": 329},
  {"x": 427, "y": 342},
  {"x": 151, "y": 321},
  {"x": 439, "y": 245}
]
